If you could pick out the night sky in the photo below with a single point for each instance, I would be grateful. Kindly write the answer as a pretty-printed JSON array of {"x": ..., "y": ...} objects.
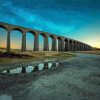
[{"x": 77, "y": 19}]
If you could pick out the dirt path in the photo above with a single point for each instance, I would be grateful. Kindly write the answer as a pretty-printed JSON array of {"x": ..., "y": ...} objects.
[{"x": 79, "y": 79}]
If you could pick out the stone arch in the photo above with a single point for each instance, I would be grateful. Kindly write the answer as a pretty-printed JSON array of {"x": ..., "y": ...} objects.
[
  {"x": 81, "y": 47},
  {"x": 16, "y": 39},
  {"x": 3, "y": 37},
  {"x": 87, "y": 47},
  {"x": 53, "y": 43},
  {"x": 30, "y": 38},
  {"x": 78, "y": 47},
  {"x": 17, "y": 29},
  {"x": 74, "y": 45},
  {"x": 4, "y": 27},
  {"x": 84, "y": 47},
  {"x": 66, "y": 45},
  {"x": 71, "y": 45},
  {"x": 44, "y": 42},
  {"x": 79, "y": 44},
  {"x": 32, "y": 32},
  {"x": 59, "y": 46}
]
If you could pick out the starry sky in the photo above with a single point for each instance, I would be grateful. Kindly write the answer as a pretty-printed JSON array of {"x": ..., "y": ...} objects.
[{"x": 77, "y": 19}]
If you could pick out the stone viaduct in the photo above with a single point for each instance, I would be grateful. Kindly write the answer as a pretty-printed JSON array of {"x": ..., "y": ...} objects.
[{"x": 64, "y": 43}]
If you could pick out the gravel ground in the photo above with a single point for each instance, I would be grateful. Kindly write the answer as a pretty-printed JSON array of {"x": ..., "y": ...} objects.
[{"x": 77, "y": 78}]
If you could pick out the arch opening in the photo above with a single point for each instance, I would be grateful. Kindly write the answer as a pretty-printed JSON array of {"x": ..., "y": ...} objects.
[
  {"x": 3, "y": 38},
  {"x": 59, "y": 44},
  {"x": 30, "y": 41},
  {"x": 50, "y": 43},
  {"x": 74, "y": 45},
  {"x": 79, "y": 46},
  {"x": 53, "y": 43},
  {"x": 41, "y": 42},
  {"x": 70, "y": 45},
  {"x": 66, "y": 43},
  {"x": 15, "y": 40}
]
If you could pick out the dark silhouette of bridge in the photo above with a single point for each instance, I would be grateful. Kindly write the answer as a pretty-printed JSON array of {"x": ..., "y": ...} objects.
[{"x": 64, "y": 43}]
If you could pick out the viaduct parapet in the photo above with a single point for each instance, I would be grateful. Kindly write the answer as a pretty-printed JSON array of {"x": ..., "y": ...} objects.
[{"x": 63, "y": 44}]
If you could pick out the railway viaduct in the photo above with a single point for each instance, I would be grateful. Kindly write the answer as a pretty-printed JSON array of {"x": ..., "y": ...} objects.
[{"x": 63, "y": 44}]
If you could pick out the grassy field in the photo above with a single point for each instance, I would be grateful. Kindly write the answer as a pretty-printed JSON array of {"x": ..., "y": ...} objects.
[
  {"x": 91, "y": 52},
  {"x": 17, "y": 56}
]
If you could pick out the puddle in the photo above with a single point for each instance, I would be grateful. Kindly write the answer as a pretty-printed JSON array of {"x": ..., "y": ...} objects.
[
  {"x": 30, "y": 69},
  {"x": 5, "y": 97}
]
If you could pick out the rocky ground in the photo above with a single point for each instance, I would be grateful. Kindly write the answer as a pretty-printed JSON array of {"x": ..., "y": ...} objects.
[{"x": 77, "y": 78}]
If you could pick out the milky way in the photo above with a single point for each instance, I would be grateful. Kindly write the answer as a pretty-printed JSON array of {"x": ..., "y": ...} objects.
[{"x": 78, "y": 19}]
